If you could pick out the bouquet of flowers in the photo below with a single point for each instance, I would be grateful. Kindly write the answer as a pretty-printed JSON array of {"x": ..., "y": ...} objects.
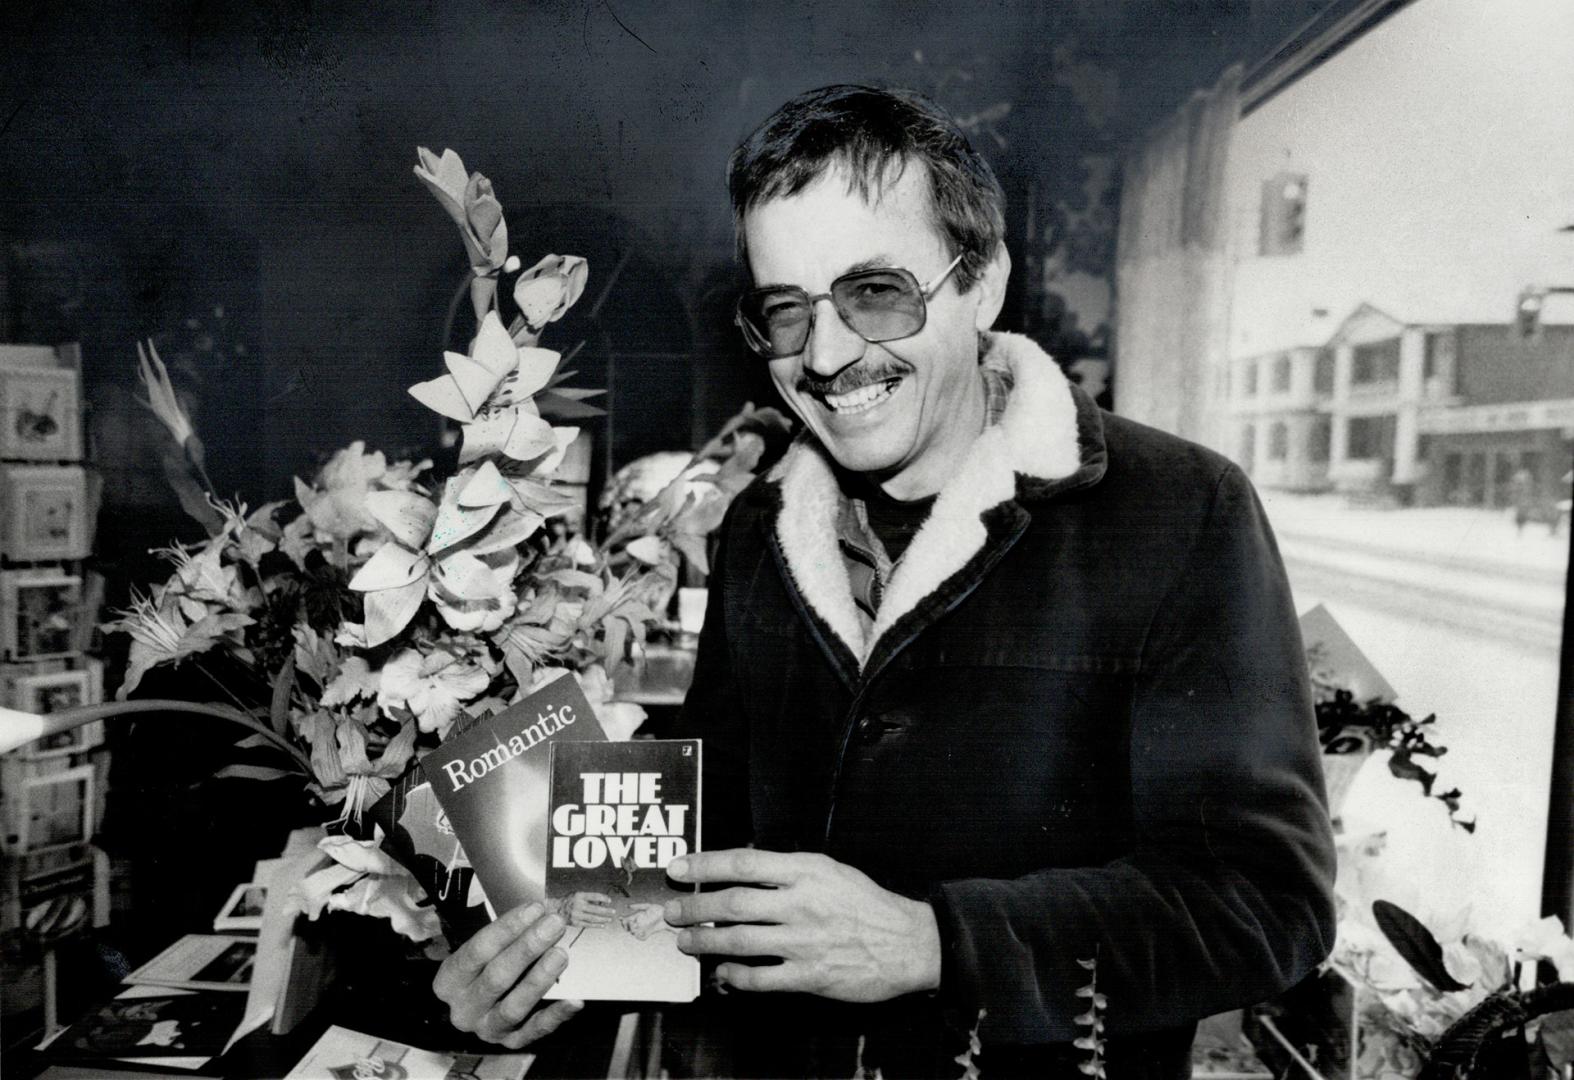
[
  {"x": 388, "y": 604},
  {"x": 1416, "y": 987}
]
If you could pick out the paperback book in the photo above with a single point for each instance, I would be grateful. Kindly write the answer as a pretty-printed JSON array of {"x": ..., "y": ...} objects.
[
  {"x": 620, "y": 813},
  {"x": 491, "y": 780},
  {"x": 545, "y": 809}
]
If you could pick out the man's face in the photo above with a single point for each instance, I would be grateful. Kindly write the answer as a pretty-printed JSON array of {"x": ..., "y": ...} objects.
[{"x": 903, "y": 411}]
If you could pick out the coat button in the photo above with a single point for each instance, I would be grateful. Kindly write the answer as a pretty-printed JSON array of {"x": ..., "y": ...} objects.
[{"x": 871, "y": 729}]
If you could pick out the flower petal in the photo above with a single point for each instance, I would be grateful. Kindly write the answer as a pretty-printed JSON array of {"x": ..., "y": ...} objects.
[
  {"x": 485, "y": 436},
  {"x": 442, "y": 395},
  {"x": 355, "y": 679},
  {"x": 465, "y": 577},
  {"x": 352, "y": 748},
  {"x": 494, "y": 350},
  {"x": 454, "y": 522},
  {"x": 511, "y": 529},
  {"x": 394, "y": 566},
  {"x": 486, "y": 487},
  {"x": 535, "y": 370},
  {"x": 474, "y": 381},
  {"x": 446, "y": 178},
  {"x": 531, "y": 438},
  {"x": 405, "y": 514},
  {"x": 650, "y": 550},
  {"x": 388, "y": 611}
]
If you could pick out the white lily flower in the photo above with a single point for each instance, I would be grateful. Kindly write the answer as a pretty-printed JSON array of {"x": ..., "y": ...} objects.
[{"x": 162, "y": 400}]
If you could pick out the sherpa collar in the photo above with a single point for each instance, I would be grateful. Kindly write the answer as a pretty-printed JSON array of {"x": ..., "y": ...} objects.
[{"x": 1049, "y": 438}]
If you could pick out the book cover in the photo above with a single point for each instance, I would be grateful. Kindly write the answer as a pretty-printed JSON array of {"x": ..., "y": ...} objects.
[
  {"x": 201, "y": 962},
  {"x": 413, "y": 827},
  {"x": 343, "y": 1054},
  {"x": 620, "y": 812},
  {"x": 1338, "y": 661},
  {"x": 159, "y": 1026},
  {"x": 492, "y": 779}
]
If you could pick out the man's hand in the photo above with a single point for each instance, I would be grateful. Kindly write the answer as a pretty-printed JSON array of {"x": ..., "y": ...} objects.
[
  {"x": 587, "y": 909},
  {"x": 837, "y": 933},
  {"x": 481, "y": 983}
]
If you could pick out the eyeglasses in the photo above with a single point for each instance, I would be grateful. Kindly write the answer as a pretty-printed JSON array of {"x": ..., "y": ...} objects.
[{"x": 878, "y": 305}]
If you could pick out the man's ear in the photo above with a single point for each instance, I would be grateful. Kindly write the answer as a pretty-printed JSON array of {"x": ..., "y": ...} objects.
[{"x": 991, "y": 288}]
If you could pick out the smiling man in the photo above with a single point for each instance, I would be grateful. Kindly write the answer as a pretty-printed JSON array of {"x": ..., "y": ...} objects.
[
  {"x": 1003, "y": 696},
  {"x": 1008, "y": 731}
]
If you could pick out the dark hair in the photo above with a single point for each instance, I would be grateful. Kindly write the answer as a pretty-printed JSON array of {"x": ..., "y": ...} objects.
[{"x": 874, "y": 133}]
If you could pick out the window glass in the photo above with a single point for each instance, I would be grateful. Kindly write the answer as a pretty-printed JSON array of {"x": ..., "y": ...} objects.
[{"x": 1278, "y": 441}]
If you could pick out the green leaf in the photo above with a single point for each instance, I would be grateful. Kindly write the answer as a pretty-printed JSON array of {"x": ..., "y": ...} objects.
[
  {"x": 692, "y": 546},
  {"x": 283, "y": 684},
  {"x": 1415, "y": 943},
  {"x": 253, "y": 772},
  {"x": 561, "y": 407}
]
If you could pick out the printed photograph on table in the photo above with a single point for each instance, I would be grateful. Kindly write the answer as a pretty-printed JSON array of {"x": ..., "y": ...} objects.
[
  {"x": 39, "y": 610},
  {"x": 40, "y": 414},
  {"x": 243, "y": 910},
  {"x": 201, "y": 962},
  {"x": 56, "y": 809},
  {"x": 45, "y": 510},
  {"x": 54, "y": 691}
]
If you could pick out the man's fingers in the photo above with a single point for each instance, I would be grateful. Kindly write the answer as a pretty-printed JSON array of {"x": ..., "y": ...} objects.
[
  {"x": 511, "y": 1010},
  {"x": 788, "y": 976},
  {"x": 727, "y": 905},
  {"x": 736, "y": 940},
  {"x": 499, "y": 976},
  {"x": 461, "y": 968},
  {"x": 744, "y": 865},
  {"x": 542, "y": 1024}
]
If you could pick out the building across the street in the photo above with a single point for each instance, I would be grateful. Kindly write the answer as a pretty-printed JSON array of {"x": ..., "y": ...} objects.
[
  {"x": 1326, "y": 258},
  {"x": 1463, "y": 414}
]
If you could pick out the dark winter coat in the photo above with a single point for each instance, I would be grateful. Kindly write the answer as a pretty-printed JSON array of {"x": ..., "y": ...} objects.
[{"x": 1080, "y": 728}]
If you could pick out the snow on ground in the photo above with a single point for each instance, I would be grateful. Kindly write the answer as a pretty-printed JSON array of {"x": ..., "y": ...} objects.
[{"x": 1460, "y": 611}]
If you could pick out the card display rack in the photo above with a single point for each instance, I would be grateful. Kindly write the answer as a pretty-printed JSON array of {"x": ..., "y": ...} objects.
[{"x": 51, "y": 791}]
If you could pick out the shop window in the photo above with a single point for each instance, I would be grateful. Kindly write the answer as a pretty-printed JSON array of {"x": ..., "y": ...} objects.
[
  {"x": 1281, "y": 374},
  {"x": 1323, "y": 373},
  {"x": 1476, "y": 480},
  {"x": 1502, "y": 479},
  {"x": 1248, "y": 453},
  {"x": 1282, "y": 229},
  {"x": 1375, "y": 363},
  {"x": 1319, "y": 443},
  {"x": 1453, "y": 474},
  {"x": 1278, "y": 441},
  {"x": 1371, "y": 437},
  {"x": 1250, "y": 379}
]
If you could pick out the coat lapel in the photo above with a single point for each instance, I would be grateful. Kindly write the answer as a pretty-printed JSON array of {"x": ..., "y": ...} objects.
[{"x": 1036, "y": 440}]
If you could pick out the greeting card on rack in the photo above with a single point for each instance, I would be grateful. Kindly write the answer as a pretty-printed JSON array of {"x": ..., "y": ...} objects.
[{"x": 40, "y": 414}]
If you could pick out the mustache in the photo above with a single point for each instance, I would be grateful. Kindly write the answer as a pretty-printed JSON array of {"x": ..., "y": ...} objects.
[{"x": 849, "y": 380}]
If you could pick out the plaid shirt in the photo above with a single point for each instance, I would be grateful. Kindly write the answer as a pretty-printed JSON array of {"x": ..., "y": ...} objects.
[{"x": 868, "y": 566}]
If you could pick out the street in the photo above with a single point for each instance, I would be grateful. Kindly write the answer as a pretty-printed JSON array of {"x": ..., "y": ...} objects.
[{"x": 1462, "y": 613}]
